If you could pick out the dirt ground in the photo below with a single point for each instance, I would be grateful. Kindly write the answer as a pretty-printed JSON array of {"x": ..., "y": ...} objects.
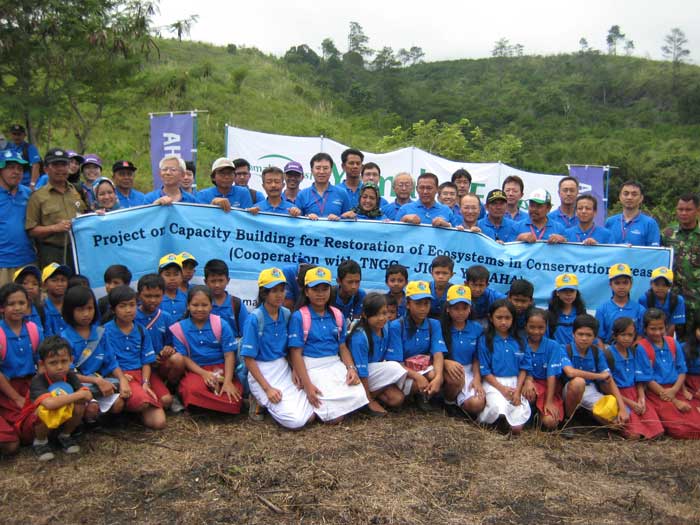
[{"x": 408, "y": 468}]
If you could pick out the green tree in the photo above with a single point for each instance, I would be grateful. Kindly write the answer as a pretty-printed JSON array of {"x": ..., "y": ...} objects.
[
  {"x": 675, "y": 51},
  {"x": 329, "y": 50},
  {"x": 501, "y": 48},
  {"x": 183, "y": 27},
  {"x": 583, "y": 45},
  {"x": 385, "y": 59},
  {"x": 357, "y": 41},
  {"x": 614, "y": 36},
  {"x": 302, "y": 54}
]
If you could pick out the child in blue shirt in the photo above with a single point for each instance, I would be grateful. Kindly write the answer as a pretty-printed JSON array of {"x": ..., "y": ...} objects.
[
  {"x": 348, "y": 295},
  {"x": 504, "y": 362},
  {"x": 691, "y": 349},
  {"x": 521, "y": 295},
  {"x": 209, "y": 349},
  {"x": 385, "y": 382},
  {"x": 55, "y": 278},
  {"x": 319, "y": 354},
  {"x": 264, "y": 349},
  {"x": 188, "y": 264},
  {"x": 482, "y": 295},
  {"x": 564, "y": 305},
  {"x": 396, "y": 278},
  {"x": 661, "y": 296},
  {"x": 229, "y": 307},
  {"x": 461, "y": 337},
  {"x": 29, "y": 277},
  {"x": 174, "y": 299},
  {"x": 441, "y": 269},
  {"x": 620, "y": 304},
  {"x": 133, "y": 350}
]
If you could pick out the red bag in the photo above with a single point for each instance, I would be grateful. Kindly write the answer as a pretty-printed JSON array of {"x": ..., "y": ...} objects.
[{"x": 418, "y": 362}]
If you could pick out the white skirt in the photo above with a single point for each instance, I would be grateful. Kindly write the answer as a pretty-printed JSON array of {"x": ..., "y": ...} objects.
[
  {"x": 294, "y": 410},
  {"x": 385, "y": 373},
  {"x": 467, "y": 391},
  {"x": 497, "y": 405},
  {"x": 337, "y": 398}
]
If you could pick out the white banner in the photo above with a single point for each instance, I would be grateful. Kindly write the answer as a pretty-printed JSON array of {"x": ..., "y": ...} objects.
[{"x": 266, "y": 149}]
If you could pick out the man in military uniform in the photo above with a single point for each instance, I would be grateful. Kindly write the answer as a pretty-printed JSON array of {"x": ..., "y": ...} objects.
[
  {"x": 685, "y": 241},
  {"x": 50, "y": 210}
]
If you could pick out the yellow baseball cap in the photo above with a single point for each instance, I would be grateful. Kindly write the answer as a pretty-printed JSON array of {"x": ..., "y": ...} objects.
[
  {"x": 606, "y": 408},
  {"x": 662, "y": 273},
  {"x": 316, "y": 276},
  {"x": 30, "y": 268},
  {"x": 619, "y": 270},
  {"x": 187, "y": 256},
  {"x": 169, "y": 259},
  {"x": 54, "y": 268},
  {"x": 418, "y": 290},
  {"x": 270, "y": 278},
  {"x": 458, "y": 293},
  {"x": 566, "y": 281}
]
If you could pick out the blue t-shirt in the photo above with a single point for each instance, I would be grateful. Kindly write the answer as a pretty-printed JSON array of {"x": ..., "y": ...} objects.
[
  {"x": 635, "y": 368},
  {"x": 563, "y": 219},
  {"x": 226, "y": 311},
  {"x": 550, "y": 228},
  {"x": 354, "y": 196},
  {"x": 135, "y": 198},
  {"x": 464, "y": 343},
  {"x": 152, "y": 196},
  {"x": 204, "y": 348},
  {"x": 481, "y": 305},
  {"x": 507, "y": 359},
  {"x": 609, "y": 311},
  {"x": 34, "y": 157},
  {"x": 522, "y": 215},
  {"x": 675, "y": 317},
  {"x": 587, "y": 363},
  {"x": 323, "y": 339},
  {"x": 273, "y": 343},
  {"x": 132, "y": 351},
  {"x": 20, "y": 358},
  {"x": 359, "y": 347},
  {"x": 426, "y": 215},
  {"x": 101, "y": 361},
  {"x": 546, "y": 360},
  {"x": 642, "y": 230},
  {"x": 666, "y": 369},
  {"x": 505, "y": 232},
  {"x": 158, "y": 331},
  {"x": 427, "y": 339},
  {"x": 693, "y": 363},
  {"x": 34, "y": 317},
  {"x": 175, "y": 306},
  {"x": 334, "y": 201},
  {"x": 239, "y": 197},
  {"x": 292, "y": 286},
  {"x": 353, "y": 308},
  {"x": 598, "y": 233},
  {"x": 16, "y": 249},
  {"x": 437, "y": 301},
  {"x": 401, "y": 307},
  {"x": 391, "y": 209},
  {"x": 283, "y": 207},
  {"x": 564, "y": 331},
  {"x": 53, "y": 321}
]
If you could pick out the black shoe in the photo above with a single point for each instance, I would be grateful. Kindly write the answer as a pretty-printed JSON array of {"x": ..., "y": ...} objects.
[
  {"x": 43, "y": 452},
  {"x": 68, "y": 444}
]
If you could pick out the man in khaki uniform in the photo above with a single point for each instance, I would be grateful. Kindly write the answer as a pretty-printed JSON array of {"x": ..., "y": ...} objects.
[{"x": 50, "y": 210}]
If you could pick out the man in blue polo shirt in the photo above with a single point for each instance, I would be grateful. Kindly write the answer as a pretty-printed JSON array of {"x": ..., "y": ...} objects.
[
  {"x": 403, "y": 188},
  {"x": 273, "y": 184},
  {"x": 539, "y": 227},
  {"x": 566, "y": 212},
  {"x": 223, "y": 193},
  {"x": 16, "y": 249},
  {"x": 351, "y": 162},
  {"x": 123, "y": 172},
  {"x": 496, "y": 225},
  {"x": 632, "y": 227},
  {"x": 28, "y": 152},
  {"x": 426, "y": 210},
  {"x": 323, "y": 199},
  {"x": 585, "y": 231}
]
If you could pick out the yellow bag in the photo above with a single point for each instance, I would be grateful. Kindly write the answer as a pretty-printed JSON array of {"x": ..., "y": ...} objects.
[
  {"x": 55, "y": 418},
  {"x": 606, "y": 408}
]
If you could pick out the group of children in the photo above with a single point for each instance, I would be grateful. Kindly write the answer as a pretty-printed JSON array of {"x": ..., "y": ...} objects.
[{"x": 315, "y": 349}]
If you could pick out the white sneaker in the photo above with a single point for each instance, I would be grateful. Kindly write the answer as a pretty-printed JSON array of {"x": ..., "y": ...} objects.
[{"x": 176, "y": 406}]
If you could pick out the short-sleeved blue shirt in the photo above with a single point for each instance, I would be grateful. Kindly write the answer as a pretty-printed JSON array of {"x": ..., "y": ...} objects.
[
  {"x": 564, "y": 331},
  {"x": 226, "y": 312},
  {"x": 53, "y": 320},
  {"x": 353, "y": 308},
  {"x": 464, "y": 343},
  {"x": 550, "y": 228},
  {"x": 693, "y": 364},
  {"x": 175, "y": 306},
  {"x": 359, "y": 347},
  {"x": 334, "y": 201},
  {"x": 522, "y": 215},
  {"x": 20, "y": 358},
  {"x": 481, "y": 305},
  {"x": 642, "y": 230},
  {"x": 437, "y": 302},
  {"x": 426, "y": 215},
  {"x": 158, "y": 331},
  {"x": 546, "y": 360},
  {"x": 102, "y": 360},
  {"x": 152, "y": 196},
  {"x": 563, "y": 219},
  {"x": 273, "y": 343},
  {"x": 598, "y": 233},
  {"x": 16, "y": 249},
  {"x": 426, "y": 340},
  {"x": 507, "y": 359},
  {"x": 354, "y": 196},
  {"x": 587, "y": 363},
  {"x": 239, "y": 197},
  {"x": 391, "y": 209},
  {"x": 131, "y": 350},
  {"x": 666, "y": 369},
  {"x": 204, "y": 348},
  {"x": 675, "y": 317},
  {"x": 135, "y": 198},
  {"x": 323, "y": 339},
  {"x": 504, "y": 232},
  {"x": 282, "y": 208},
  {"x": 609, "y": 311},
  {"x": 635, "y": 368}
]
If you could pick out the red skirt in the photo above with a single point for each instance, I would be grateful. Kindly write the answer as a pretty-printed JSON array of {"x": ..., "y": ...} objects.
[
  {"x": 139, "y": 396},
  {"x": 194, "y": 391},
  {"x": 692, "y": 382},
  {"x": 648, "y": 424},
  {"x": 541, "y": 388},
  {"x": 22, "y": 420},
  {"x": 675, "y": 423},
  {"x": 8, "y": 434}
]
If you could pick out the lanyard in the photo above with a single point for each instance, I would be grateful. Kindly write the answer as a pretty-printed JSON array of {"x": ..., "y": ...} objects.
[
  {"x": 585, "y": 235},
  {"x": 629, "y": 224},
  {"x": 320, "y": 203},
  {"x": 538, "y": 237}
]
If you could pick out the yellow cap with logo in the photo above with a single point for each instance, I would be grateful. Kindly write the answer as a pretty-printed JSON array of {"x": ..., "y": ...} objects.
[
  {"x": 458, "y": 293},
  {"x": 619, "y": 270},
  {"x": 418, "y": 290},
  {"x": 169, "y": 259},
  {"x": 662, "y": 272},
  {"x": 316, "y": 276},
  {"x": 271, "y": 277},
  {"x": 566, "y": 281}
]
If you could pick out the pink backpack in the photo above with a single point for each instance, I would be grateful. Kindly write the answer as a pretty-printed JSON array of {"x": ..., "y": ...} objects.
[
  {"x": 306, "y": 320},
  {"x": 179, "y": 334},
  {"x": 33, "y": 337}
]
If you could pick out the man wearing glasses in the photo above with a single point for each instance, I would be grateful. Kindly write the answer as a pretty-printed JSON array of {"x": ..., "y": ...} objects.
[
  {"x": 241, "y": 176},
  {"x": 403, "y": 188},
  {"x": 123, "y": 177},
  {"x": 426, "y": 210},
  {"x": 172, "y": 168}
]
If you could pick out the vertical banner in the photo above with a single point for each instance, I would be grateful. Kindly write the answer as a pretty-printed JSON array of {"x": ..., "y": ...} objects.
[
  {"x": 592, "y": 180},
  {"x": 171, "y": 134}
]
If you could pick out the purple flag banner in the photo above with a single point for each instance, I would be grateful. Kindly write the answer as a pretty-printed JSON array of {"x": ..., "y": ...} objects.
[
  {"x": 592, "y": 180},
  {"x": 171, "y": 135}
]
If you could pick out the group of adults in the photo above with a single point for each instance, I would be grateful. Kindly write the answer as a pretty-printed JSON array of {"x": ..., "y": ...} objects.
[{"x": 36, "y": 210}]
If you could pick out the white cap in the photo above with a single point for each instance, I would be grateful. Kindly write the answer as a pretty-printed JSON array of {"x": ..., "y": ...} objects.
[{"x": 222, "y": 162}]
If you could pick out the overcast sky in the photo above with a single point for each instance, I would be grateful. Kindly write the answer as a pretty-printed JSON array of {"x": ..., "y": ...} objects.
[{"x": 444, "y": 29}]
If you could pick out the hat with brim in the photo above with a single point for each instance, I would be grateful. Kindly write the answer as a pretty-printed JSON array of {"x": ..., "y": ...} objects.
[
  {"x": 74, "y": 155},
  {"x": 11, "y": 156},
  {"x": 123, "y": 165},
  {"x": 662, "y": 272},
  {"x": 271, "y": 277},
  {"x": 55, "y": 268},
  {"x": 222, "y": 162},
  {"x": 91, "y": 158},
  {"x": 417, "y": 290},
  {"x": 55, "y": 155},
  {"x": 619, "y": 270},
  {"x": 293, "y": 167},
  {"x": 29, "y": 269},
  {"x": 169, "y": 259},
  {"x": 316, "y": 276},
  {"x": 495, "y": 196},
  {"x": 458, "y": 293},
  {"x": 540, "y": 196},
  {"x": 566, "y": 281},
  {"x": 187, "y": 256}
]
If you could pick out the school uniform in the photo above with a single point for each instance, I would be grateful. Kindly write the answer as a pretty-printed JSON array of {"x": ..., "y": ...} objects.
[
  {"x": 156, "y": 324},
  {"x": 379, "y": 372},
  {"x": 481, "y": 305},
  {"x": 642, "y": 230},
  {"x": 587, "y": 363},
  {"x": 326, "y": 371},
  {"x": 353, "y": 308},
  {"x": 53, "y": 320},
  {"x": 627, "y": 372},
  {"x": 270, "y": 354},
  {"x": 692, "y": 376},
  {"x": 665, "y": 371},
  {"x": 541, "y": 234},
  {"x": 18, "y": 367},
  {"x": 677, "y": 316},
  {"x": 425, "y": 214},
  {"x": 504, "y": 362},
  {"x": 238, "y": 196},
  {"x": 34, "y": 317},
  {"x": 597, "y": 233},
  {"x": 291, "y": 289},
  {"x": 564, "y": 330},
  {"x": 208, "y": 352},
  {"x": 546, "y": 363},
  {"x": 175, "y": 306},
  {"x": 87, "y": 361},
  {"x": 401, "y": 306},
  {"x": 609, "y": 311},
  {"x": 503, "y": 232},
  {"x": 563, "y": 219},
  {"x": 464, "y": 350},
  {"x": 426, "y": 340},
  {"x": 133, "y": 351},
  {"x": 226, "y": 311},
  {"x": 437, "y": 301},
  {"x": 334, "y": 201}
]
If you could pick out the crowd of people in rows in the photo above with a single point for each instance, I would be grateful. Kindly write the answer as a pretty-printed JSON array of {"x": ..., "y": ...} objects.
[{"x": 316, "y": 347}]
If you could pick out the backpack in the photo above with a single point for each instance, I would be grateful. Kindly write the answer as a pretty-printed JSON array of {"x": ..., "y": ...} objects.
[
  {"x": 609, "y": 358},
  {"x": 179, "y": 334},
  {"x": 306, "y": 320},
  {"x": 649, "y": 349},
  {"x": 33, "y": 332}
]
